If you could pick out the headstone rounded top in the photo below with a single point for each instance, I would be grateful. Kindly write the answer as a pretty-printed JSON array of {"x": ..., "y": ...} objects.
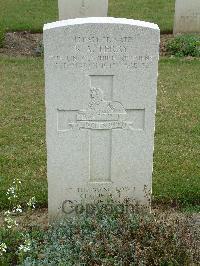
[
  {"x": 100, "y": 20},
  {"x": 100, "y": 79}
]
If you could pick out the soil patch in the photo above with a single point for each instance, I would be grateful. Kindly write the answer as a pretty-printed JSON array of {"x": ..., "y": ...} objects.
[
  {"x": 21, "y": 43},
  {"x": 163, "y": 43},
  {"x": 39, "y": 217},
  {"x": 28, "y": 44}
]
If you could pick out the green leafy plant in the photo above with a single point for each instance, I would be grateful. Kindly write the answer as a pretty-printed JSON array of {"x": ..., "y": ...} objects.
[
  {"x": 111, "y": 234},
  {"x": 184, "y": 45}
]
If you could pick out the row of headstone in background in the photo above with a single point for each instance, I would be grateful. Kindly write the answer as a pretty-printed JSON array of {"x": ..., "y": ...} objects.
[
  {"x": 187, "y": 12},
  {"x": 187, "y": 16},
  {"x": 101, "y": 83},
  {"x": 69, "y": 9}
]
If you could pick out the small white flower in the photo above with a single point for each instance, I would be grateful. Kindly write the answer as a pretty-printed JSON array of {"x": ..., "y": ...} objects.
[
  {"x": 10, "y": 222},
  {"x": 11, "y": 193},
  {"x": 26, "y": 246},
  {"x": 11, "y": 190},
  {"x": 3, "y": 248},
  {"x": 17, "y": 209},
  {"x": 32, "y": 202},
  {"x": 16, "y": 180},
  {"x": 7, "y": 213}
]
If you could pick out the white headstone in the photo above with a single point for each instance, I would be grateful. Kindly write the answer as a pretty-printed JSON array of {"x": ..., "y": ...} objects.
[
  {"x": 187, "y": 16},
  {"x": 69, "y": 9},
  {"x": 101, "y": 83}
]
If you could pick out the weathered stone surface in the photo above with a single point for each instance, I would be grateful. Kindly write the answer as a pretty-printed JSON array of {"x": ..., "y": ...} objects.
[
  {"x": 101, "y": 83},
  {"x": 69, "y": 9},
  {"x": 187, "y": 16}
]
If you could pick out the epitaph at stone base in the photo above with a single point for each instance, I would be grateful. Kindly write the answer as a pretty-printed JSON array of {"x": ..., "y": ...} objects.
[{"x": 101, "y": 85}]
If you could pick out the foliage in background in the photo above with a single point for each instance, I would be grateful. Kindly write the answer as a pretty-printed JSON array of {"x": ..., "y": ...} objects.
[
  {"x": 184, "y": 45},
  {"x": 30, "y": 15},
  {"x": 113, "y": 234}
]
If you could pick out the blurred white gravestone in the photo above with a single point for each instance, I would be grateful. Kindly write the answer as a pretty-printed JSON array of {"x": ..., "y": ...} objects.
[
  {"x": 101, "y": 84},
  {"x": 187, "y": 16},
  {"x": 69, "y": 9}
]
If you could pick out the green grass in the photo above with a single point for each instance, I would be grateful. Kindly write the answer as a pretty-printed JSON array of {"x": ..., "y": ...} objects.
[
  {"x": 160, "y": 12},
  {"x": 177, "y": 141},
  {"x": 22, "y": 133},
  {"x": 30, "y": 15},
  {"x": 18, "y": 15}
]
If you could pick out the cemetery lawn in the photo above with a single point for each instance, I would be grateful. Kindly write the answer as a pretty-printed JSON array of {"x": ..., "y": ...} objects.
[
  {"x": 22, "y": 133},
  {"x": 160, "y": 12},
  {"x": 31, "y": 15},
  {"x": 27, "y": 15},
  {"x": 177, "y": 142}
]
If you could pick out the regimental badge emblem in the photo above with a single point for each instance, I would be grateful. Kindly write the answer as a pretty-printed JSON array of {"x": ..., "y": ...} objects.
[{"x": 101, "y": 114}]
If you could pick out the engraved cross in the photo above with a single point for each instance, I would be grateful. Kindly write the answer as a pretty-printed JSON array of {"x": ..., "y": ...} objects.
[{"x": 100, "y": 118}]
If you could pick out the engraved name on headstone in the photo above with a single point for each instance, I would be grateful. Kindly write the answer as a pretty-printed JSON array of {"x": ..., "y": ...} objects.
[
  {"x": 187, "y": 16},
  {"x": 69, "y": 9},
  {"x": 101, "y": 83}
]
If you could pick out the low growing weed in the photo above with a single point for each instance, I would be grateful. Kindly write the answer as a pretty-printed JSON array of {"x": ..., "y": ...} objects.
[
  {"x": 108, "y": 235},
  {"x": 184, "y": 45},
  {"x": 15, "y": 244}
]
